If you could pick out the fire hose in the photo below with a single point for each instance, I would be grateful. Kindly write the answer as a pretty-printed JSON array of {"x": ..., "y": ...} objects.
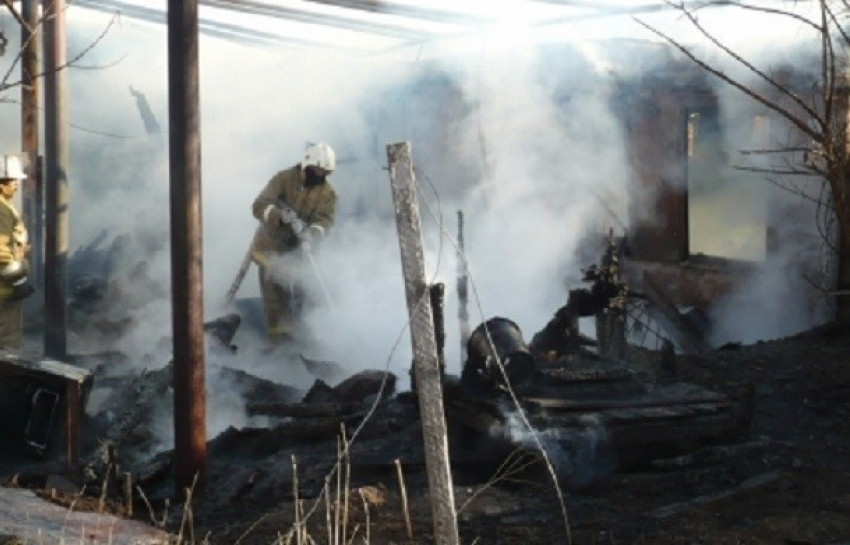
[{"x": 298, "y": 227}]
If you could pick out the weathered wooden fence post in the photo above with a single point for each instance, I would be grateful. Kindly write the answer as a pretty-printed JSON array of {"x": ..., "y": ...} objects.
[{"x": 425, "y": 360}]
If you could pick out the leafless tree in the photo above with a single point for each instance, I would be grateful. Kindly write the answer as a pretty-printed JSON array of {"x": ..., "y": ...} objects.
[
  {"x": 11, "y": 78},
  {"x": 817, "y": 116}
]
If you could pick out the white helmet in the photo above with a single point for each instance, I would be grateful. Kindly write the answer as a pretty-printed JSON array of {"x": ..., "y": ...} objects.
[
  {"x": 11, "y": 168},
  {"x": 319, "y": 155}
]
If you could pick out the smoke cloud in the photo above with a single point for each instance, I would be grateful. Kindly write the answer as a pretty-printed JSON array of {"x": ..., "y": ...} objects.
[{"x": 519, "y": 135}]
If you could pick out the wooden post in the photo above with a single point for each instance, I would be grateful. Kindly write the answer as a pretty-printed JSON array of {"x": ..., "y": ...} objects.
[
  {"x": 31, "y": 188},
  {"x": 190, "y": 443},
  {"x": 56, "y": 192},
  {"x": 425, "y": 360}
]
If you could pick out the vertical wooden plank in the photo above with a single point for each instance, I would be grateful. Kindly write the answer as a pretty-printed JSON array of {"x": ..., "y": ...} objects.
[
  {"x": 31, "y": 190},
  {"x": 425, "y": 359},
  {"x": 56, "y": 194}
]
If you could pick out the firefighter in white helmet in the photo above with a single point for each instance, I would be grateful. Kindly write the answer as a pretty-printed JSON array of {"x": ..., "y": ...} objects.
[
  {"x": 295, "y": 209},
  {"x": 14, "y": 247}
]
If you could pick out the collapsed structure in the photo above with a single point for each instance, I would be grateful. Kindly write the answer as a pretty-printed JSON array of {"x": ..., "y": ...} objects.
[{"x": 595, "y": 404}]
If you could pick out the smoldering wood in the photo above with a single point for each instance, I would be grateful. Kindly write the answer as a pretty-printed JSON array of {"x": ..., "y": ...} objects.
[
  {"x": 323, "y": 369},
  {"x": 745, "y": 486},
  {"x": 223, "y": 330},
  {"x": 321, "y": 392},
  {"x": 611, "y": 320},
  {"x": 581, "y": 394},
  {"x": 683, "y": 331},
  {"x": 365, "y": 384},
  {"x": 560, "y": 336},
  {"x": 106, "y": 362},
  {"x": 711, "y": 455},
  {"x": 254, "y": 387},
  {"x": 437, "y": 293},
  {"x": 304, "y": 410},
  {"x": 134, "y": 399}
]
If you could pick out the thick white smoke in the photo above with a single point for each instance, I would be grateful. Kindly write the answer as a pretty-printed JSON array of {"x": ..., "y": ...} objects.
[{"x": 518, "y": 135}]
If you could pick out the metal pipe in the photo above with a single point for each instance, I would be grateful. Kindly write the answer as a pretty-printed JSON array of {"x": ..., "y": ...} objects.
[
  {"x": 186, "y": 246},
  {"x": 56, "y": 180}
]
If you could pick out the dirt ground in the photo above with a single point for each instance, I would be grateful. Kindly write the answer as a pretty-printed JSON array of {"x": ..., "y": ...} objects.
[{"x": 787, "y": 481}]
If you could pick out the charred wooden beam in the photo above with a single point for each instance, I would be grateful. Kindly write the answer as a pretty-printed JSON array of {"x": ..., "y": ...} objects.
[
  {"x": 684, "y": 333},
  {"x": 258, "y": 388},
  {"x": 304, "y": 410},
  {"x": 745, "y": 486}
]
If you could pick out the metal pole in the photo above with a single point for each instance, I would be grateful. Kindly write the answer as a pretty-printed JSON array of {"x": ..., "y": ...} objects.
[
  {"x": 190, "y": 444},
  {"x": 425, "y": 360},
  {"x": 31, "y": 191},
  {"x": 56, "y": 182}
]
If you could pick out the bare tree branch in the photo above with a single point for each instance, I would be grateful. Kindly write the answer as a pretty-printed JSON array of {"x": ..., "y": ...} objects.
[
  {"x": 775, "y": 11},
  {"x": 744, "y": 62},
  {"x": 836, "y": 23},
  {"x": 769, "y": 151},
  {"x": 773, "y": 170},
  {"x": 827, "y": 64},
  {"x": 15, "y": 14},
  {"x": 794, "y": 190},
  {"x": 795, "y": 120},
  {"x": 69, "y": 64}
]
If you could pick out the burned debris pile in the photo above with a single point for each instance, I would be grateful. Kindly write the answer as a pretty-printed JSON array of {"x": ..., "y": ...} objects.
[
  {"x": 583, "y": 397},
  {"x": 585, "y": 400}
]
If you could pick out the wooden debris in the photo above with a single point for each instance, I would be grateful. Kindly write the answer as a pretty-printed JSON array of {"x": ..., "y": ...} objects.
[
  {"x": 683, "y": 331},
  {"x": 746, "y": 486},
  {"x": 327, "y": 371},
  {"x": 302, "y": 410},
  {"x": 709, "y": 455}
]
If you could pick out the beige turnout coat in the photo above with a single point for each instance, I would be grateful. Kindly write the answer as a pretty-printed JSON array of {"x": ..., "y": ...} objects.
[
  {"x": 13, "y": 239},
  {"x": 315, "y": 205},
  {"x": 13, "y": 247}
]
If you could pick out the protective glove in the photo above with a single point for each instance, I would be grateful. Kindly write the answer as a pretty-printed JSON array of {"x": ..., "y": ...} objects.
[
  {"x": 21, "y": 289},
  {"x": 290, "y": 218},
  {"x": 310, "y": 235},
  {"x": 15, "y": 273}
]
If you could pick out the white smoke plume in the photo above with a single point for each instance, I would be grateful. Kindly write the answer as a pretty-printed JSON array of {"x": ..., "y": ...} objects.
[
  {"x": 520, "y": 136},
  {"x": 579, "y": 454}
]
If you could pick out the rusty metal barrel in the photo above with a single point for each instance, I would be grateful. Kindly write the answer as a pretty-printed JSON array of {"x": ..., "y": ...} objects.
[{"x": 498, "y": 340}]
